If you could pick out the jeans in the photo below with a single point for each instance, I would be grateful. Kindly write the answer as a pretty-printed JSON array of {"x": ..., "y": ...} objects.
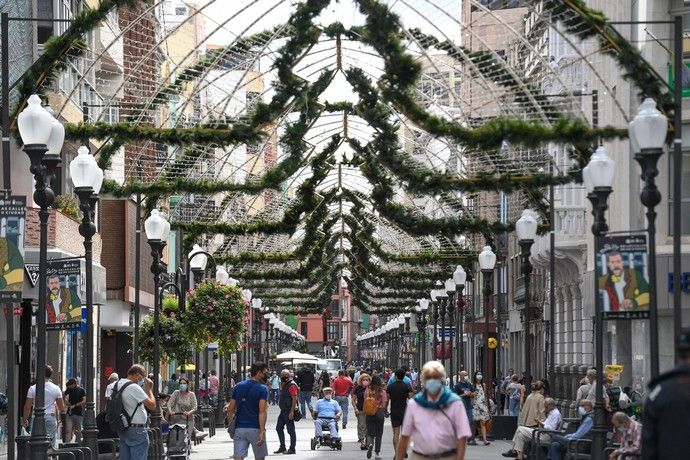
[
  {"x": 558, "y": 445},
  {"x": 344, "y": 403},
  {"x": 375, "y": 429},
  {"x": 332, "y": 427},
  {"x": 304, "y": 402},
  {"x": 134, "y": 443},
  {"x": 514, "y": 407},
  {"x": 284, "y": 421},
  {"x": 274, "y": 396},
  {"x": 361, "y": 427},
  {"x": 75, "y": 422},
  {"x": 52, "y": 429}
]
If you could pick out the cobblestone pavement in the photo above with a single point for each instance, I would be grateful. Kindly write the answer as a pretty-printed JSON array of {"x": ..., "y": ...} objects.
[{"x": 220, "y": 446}]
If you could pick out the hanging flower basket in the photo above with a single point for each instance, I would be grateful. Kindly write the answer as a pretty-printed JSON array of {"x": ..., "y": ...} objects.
[
  {"x": 215, "y": 312},
  {"x": 173, "y": 342}
]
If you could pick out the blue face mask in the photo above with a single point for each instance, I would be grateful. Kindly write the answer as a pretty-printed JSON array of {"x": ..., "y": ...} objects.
[
  {"x": 183, "y": 387},
  {"x": 433, "y": 386},
  {"x": 581, "y": 410},
  {"x": 622, "y": 429},
  {"x": 467, "y": 379},
  {"x": 479, "y": 378}
]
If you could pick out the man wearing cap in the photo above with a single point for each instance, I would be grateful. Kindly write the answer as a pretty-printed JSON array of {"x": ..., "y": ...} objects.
[
  {"x": 326, "y": 412},
  {"x": 667, "y": 409}
]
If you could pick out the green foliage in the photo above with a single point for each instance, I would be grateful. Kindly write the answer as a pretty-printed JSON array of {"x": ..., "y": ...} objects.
[
  {"x": 68, "y": 205},
  {"x": 170, "y": 304},
  {"x": 172, "y": 336}
]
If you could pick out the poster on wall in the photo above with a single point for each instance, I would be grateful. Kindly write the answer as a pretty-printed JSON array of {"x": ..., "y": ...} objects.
[
  {"x": 63, "y": 305},
  {"x": 12, "y": 225},
  {"x": 622, "y": 277}
]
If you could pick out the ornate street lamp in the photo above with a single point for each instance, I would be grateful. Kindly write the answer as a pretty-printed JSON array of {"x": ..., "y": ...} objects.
[
  {"x": 157, "y": 232},
  {"x": 598, "y": 178},
  {"x": 487, "y": 262},
  {"x": 435, "y": 295},
  {"x": 421, "y": 321},
  {"x": 459, "y": 278},
  {"x": 648, "y": 134},
  {"x": 87, "y": 178},
  {"x": 43, "y": 137},
  {"x": 256, "y": 310},
  {"x": 526, "y": 230},
  {"x": 448, "y": 290}
]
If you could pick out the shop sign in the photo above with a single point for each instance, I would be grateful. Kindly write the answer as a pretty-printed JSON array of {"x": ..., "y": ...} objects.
[{"x": 12, "y": 228}]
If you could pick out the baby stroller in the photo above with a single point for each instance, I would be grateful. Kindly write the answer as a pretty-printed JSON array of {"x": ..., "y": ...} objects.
[
  {"x": 179, "y": 444},
  {"x": 325, "y": 439}
]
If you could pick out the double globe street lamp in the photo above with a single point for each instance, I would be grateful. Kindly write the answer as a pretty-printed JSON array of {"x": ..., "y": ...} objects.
[
  {"x": 42, "y": 136},
  {"x": 526, "y": 230},
  {"x": 459, "y": 278}
]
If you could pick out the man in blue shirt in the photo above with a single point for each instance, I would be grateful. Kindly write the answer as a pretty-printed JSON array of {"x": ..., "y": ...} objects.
[
  {"x": 466, "y": 390},
  {"x": 406, "y": 379},
  {"x": 560, "y": 443},
  {"x": 248, "y": 404},
  {"x": 326, "y": 412}
]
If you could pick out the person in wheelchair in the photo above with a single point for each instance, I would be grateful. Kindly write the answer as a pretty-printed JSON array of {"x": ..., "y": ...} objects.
[{"x": 326, "y": 413}]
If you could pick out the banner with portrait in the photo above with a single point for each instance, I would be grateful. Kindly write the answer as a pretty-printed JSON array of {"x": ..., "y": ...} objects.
[
  {"x": 12, "y": 226},
  {"x": 622, "y": 278},
  {"x": 63, "y": 305}
]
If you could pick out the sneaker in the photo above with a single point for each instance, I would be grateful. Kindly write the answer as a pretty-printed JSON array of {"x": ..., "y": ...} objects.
[
  {"x": 363, "y": 447},
  {"x": 377, "y": 456},
  {"x": 280, "y": 451},
  {"x": 290, "y": 452},
  {"x": 369, "y": 450},
  {"x": 344, "y": 426},
  {"x": 511, "y": 453},
  {"x": 472, "y": 442}
]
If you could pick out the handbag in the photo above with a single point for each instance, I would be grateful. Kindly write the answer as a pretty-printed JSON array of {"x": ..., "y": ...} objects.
[
  {"x": 233, "y": 421},
  {"x": 296, "y": 415}
]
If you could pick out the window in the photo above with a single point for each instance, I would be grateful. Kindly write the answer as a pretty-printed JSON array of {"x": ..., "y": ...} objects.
[
  {"x": 303, "y": 328},
  {"x": 335, "y": 310},
  {"x": 180, "y": 11},
  {"x": 684, "y": 196},
  {"x": 331, "y": 331}
]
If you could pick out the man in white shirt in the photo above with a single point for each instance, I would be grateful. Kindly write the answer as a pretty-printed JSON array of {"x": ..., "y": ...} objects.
[
  {"x": 136, "y": 398},
  {"x": 523, "y": 435},
  {"x": 112, "y": 380},
  {"x": 53, "y": 405}
]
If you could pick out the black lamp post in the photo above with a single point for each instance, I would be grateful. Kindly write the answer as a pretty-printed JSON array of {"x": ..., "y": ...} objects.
[
  {"x": 435, "y": 295},
  {"x": 526, "y": 230},
  {"x": 421, "y": 321},
  {"x": 487, "y": 262},
  {"x": 88, "y": 178},
  {"x": 157, "y": 232},
  {"x": 257, "y": 311},
  {"x": 43, "y": 137},
  {"x": 647, "y": 135},
  {"x": 443, "y": 301},
  {"x": 598, "y": 178},
  {"x": 459, "y": 278}
]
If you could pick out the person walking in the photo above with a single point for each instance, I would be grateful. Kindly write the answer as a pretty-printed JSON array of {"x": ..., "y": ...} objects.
[
  {"x": 137, "y": 396},
  {"x": 342, "y": 387},
  {"x": 112, "y": 380},
  {"x": 480, "y": 405},
  {"x": 523, "y": 434},
  {"x": 398, "y": 393},
  {"x": 249, "y": 408},
  {"x": 667, "y": 409},
  {"x": 324, "y": 382},
  {"x": 435, "y": 420},
  {"x": 213, "y": 387},
  {"x": 74, "y": 399},
  {"x": 515, "y": 394},
  {"x": 505, "y": 381},
  {"x": 378, "y": 399},
  {"x": 53, "y": 405},
  {"x": 305, "y": 380},
  {"x": 182, "y": 406},
  {"x": 467, "y": 392},
  {"x": 287, "y": 402},
  {"x": 275, "y": 388},
  {"x": 358, "y": 406}
]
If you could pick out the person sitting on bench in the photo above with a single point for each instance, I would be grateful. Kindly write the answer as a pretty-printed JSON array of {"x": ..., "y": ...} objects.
[
  {"x": 523, "y": 435},
  {"x": 560, "y": 443},
  {"x": 326, "y": 412}
]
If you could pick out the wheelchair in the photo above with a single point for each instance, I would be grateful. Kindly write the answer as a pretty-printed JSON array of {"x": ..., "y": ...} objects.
[{"x": 325, "y": 440}]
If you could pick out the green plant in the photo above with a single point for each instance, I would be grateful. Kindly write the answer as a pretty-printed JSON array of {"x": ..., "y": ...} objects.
[
  {"x": 173, "y": 341},
  {"x": 215, "y": 312},
  {"x": 68, "y": 205},
  {"x": 170, "y": 304}
]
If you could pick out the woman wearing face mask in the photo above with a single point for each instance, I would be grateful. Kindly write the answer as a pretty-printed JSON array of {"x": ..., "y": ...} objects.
[
  {"x": 358, "y": 405},
  {"x": 435, "y": 420},
  {"x": 480, "y": 405},
  {"x": 375, "y": 422},
  {"x": 183, "y": 401}
]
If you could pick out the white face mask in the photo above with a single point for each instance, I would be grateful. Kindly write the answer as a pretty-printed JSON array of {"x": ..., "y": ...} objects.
[{"x": 327, "y": 396}]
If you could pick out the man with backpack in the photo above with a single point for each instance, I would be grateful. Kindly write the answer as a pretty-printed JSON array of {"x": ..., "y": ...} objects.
[
  {"x": 126, "y": 412},
  {"x": 287, "y": 402}
]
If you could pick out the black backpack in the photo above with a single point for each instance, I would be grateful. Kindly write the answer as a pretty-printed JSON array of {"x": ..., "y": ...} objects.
[{"x": 115, "y": 414}]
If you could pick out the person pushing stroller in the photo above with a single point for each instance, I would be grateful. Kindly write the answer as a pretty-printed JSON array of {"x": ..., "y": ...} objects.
[{"x": 326, "y": 413}]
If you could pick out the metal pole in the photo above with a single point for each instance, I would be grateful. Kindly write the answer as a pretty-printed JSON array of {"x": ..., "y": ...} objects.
[
  {"x": 526, "y": 246},
  {"x": 488, "y": 275},
  {"x": 451, "y": 324},
  {"x": 435, "y": 305},
  {"x": 137, "y": 278},
  {"x": 11, "y": 384},
  {"x": 461, "y": 332},
  {"x": 552, "y": 283},
  {"x": 443, "y": 303},
  {"x": 677, "y": 176},
  {"x": 156, "y": 251}
]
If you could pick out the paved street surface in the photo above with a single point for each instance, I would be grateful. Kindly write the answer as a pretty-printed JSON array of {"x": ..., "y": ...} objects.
[{"x": 220, "y": 446}]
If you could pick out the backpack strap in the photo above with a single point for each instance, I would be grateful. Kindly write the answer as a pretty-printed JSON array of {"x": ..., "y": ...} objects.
[
  {"x": 244, "y": 398},
  {"x": 124, "y": 411}
]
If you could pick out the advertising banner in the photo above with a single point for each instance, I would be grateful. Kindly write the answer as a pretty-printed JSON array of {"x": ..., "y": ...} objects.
[
  {"x": 63, "y": 305},
  {"x": 621, "y": 268},
  {"x": 12, "y": 225}
]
